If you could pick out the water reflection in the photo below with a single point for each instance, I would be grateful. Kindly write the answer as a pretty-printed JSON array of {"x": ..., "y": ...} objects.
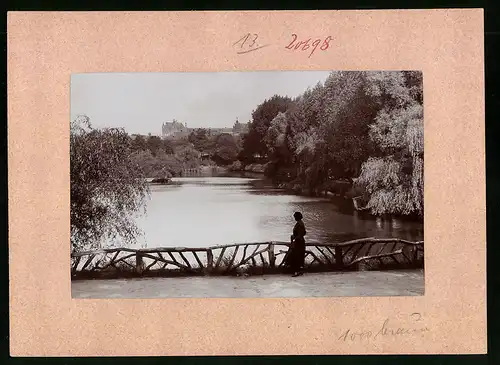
[
  {"x": 396, "y": 224},
  {"x": 206, "y": 211}
]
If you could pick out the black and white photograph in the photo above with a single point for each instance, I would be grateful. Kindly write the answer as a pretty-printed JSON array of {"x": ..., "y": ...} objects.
[{"x": 263, "y": 184}]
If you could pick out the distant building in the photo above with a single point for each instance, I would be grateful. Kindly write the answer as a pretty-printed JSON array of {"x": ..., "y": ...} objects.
[
  {"x": 217, "y": 131},
  {"x": 177, "y": 130},
  {"x": 240, "y": 128},
  {"x": 211, "y": 131},
  {"x": 205, "y": 156}
]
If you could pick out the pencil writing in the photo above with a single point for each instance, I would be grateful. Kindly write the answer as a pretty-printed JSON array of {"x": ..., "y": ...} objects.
[
  {"x": 387, "y": 329},
  {"x": 248, "y": 43}
]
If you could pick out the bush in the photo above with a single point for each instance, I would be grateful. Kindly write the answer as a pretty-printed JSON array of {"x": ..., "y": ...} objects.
[{"x": 236, "y": 166}]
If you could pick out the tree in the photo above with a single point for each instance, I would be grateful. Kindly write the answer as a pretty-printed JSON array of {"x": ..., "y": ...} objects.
[
  {"x": 155, "y": 144},
  {"x": 107, "y": 188},
  {"x": 144, "y": 161},
  {"x": 275, "y": 135},
  {"x": 394, "y": 180},
  {"x": 280, "y": 155},
  {"x": 179, "y": 144},
  {"x": 305, "y": 140},
  {"x": 168, "y": 147},
  {"x": 328, "y": 130},
  {"x": 200, "y": 139},
  {"x": 188, "y": 157},
  {"x": 348, "y": 111},
  {"x": 226, "y": 149},
  {"x": 253, "y": 141},
  {"x": 138, "y": 143},
  {"x": 160, "y": 166}
]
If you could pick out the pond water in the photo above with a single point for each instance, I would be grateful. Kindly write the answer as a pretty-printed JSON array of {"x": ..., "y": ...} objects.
[{"x": 208, "y": 211}]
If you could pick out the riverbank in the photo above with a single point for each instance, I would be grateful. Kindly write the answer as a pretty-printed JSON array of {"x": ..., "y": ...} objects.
[
  {"x": 346, "y": 284},
  {"x": 341, "y": 190},
  {"x": 257, "y": 168}
]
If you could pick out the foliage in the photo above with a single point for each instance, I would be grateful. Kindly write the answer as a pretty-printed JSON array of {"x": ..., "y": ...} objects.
[
  {"x": 394, "y": 180},
  {"x": 201, "y": 140},
  {"x": 359, "y": 127},
  {"x": 226, "y": 149},
  {"x": 236, "y": 166},
  {"x": 188, "y": 156},
  {"x": 179, "y": 143},
  {"x": 158, "y": 157},
  {"x": 107, "y": 190},
  {"x": 254, "y": 141},
  {"x": 276, "y": 133},
  {"x": 166, "y": 165},
  {"x": 159, "y": 166},
  {"x": 138, "y": 143},
  {"x": 152, "y": 143}
]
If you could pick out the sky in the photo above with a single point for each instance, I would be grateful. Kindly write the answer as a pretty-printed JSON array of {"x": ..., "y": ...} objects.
[{"x": 141, "y": 102}]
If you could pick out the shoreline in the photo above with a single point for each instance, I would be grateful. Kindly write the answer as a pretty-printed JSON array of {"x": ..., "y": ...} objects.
[{"x": 345, "y": 194}]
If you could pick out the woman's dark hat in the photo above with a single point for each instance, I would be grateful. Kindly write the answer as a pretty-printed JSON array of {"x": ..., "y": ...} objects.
[{"x": 297, "y": 215}]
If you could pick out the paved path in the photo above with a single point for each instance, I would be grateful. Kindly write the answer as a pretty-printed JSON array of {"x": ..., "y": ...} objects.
[{"x": 348, "y": 284}]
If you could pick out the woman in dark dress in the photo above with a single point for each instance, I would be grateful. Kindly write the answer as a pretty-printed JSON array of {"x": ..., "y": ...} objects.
[{"x": 298, "y": 246}]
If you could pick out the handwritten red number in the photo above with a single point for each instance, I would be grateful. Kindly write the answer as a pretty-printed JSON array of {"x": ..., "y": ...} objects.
[
  {"x": 298, "y": 45},
  {"x": 323, "y": 44},
  {"x": 326, "y": 43},
  {"x": 306, "y": 45},
  {"x": 290, "y": 46},
  {"x": 315, "y": 45}
]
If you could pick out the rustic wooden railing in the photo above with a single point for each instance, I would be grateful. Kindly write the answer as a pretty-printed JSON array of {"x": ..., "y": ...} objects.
[{"x": 247, "y": 257}]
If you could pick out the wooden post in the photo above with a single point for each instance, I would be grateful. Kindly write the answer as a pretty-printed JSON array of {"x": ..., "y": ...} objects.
[
  {"x": 139, "y": 263},
  {"x": 272, "y": 257},
  {"x": 338, "y": 257},
  {"x": 210, "y": 261},
  {"x": 75, "y": 266}
]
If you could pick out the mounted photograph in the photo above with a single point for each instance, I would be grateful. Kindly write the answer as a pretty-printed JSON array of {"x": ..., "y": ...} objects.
[{"x": 263, "y": 184}]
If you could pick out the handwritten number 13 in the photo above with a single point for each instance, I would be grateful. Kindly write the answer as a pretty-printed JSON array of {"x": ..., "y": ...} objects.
[{"x": 245, "y": 39}]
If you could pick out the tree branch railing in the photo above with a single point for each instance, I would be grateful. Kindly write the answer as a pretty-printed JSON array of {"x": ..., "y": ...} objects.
[{"x": 242, "y": 257}]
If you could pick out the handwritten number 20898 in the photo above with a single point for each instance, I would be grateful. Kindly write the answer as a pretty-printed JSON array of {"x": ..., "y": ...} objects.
[{"x": 305, "y": 45}]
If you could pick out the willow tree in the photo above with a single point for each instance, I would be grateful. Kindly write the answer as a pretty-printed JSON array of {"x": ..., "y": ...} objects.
[
  {"x": 394, "y": 180},
  {"x": 107, "y": 188}
]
